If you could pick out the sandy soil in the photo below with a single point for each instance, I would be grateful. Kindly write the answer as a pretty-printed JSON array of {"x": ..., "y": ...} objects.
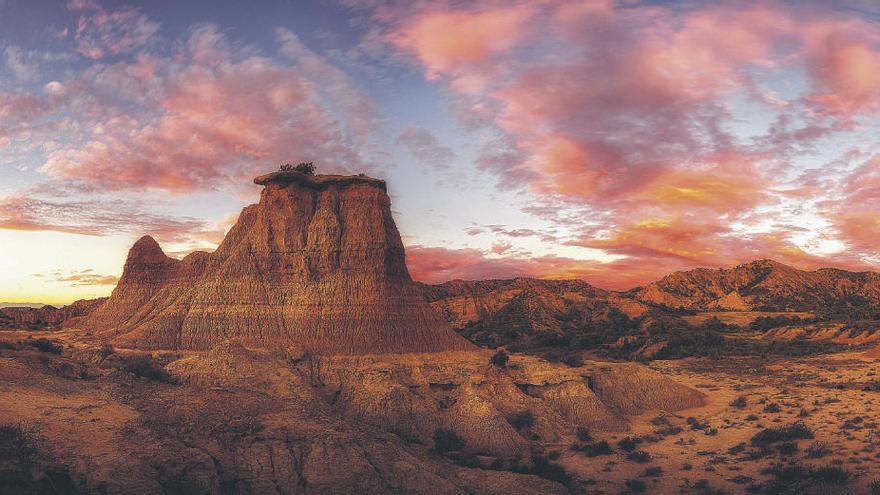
[
  {"x": 699, "y": 450},
  {"x": 828, "y": 393}
]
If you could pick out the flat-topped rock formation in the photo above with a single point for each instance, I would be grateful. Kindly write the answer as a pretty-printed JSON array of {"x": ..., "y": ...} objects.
[{"x": 317, "y": 263}]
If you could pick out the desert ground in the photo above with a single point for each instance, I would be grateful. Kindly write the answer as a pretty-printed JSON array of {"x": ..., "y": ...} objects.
[{"x": 77, "y": 412}]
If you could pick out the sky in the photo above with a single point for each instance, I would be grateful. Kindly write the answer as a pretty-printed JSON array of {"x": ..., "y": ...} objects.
[{"x": 612, "y": 141}]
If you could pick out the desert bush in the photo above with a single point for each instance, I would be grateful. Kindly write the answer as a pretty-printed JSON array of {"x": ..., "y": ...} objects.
[
  {"x": 639, "y": 456},
  {"x": 522, "y": 419},
  {"x": 764, "y": 323},
  {"x": 636, "y": 486},
  {"x": 500, "y": 359},
  {"x": 794, "y": 431},
  {"x": 45, "y": 345},
  {"x": 548, "y": 470},
  {"x": 772, "y": 408},
  {"x": 447, "y": 441},
  {"x": 627, "y": 444},
  {"x": 874, "y": 487},
  {"x": 24, "y": 469},
  {"x": 573, "y": 360},
  {"x": 594, "y": 449},
  {"x": 818, "y": 449},
  {"x": 653, "y": 472},
  {"x": 144, "y": 366},
  {"x": 740, "y": 402},
  {"x": 307, "y": 168},
  {"x": 787, "y": 448},
  {"x": 583, "y": 434},
  {"x": 105, "y": 350},
  {"x": 832, "y": 474}
]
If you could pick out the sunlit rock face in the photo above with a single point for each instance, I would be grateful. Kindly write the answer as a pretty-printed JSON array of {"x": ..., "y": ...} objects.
[{"x": 318, "y": 262}]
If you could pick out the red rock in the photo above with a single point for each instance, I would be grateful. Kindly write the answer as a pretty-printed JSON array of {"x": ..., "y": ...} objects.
[{"x": 318, "y": 262}]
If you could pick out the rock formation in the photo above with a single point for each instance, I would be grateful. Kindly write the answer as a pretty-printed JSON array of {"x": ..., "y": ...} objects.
[
  {"x": 26, "y": 317},
  {"x": 526, "y": 313},
  {"x": 765, "y": 285},
  {"x": 318, "y": 263}
]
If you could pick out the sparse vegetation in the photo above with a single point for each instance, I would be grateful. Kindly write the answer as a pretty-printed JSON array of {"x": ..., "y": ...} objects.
[
  {"x": 306, "y": 168},
  {"x": 594, "y": 449},
  {"x": 522, "y": 419},
  {"x": 636, "y": 486},
  {"x": 583, "y": 434},
  {"x": 795, "y": 431},
  {"x": 639, "y": 456},
  {"x": 143, "y": 365},
  {"x": 500, "y": 358},
  {"x": 446, "y": 440},
  {"x": 818, "y": 449},
  {"x": 45, "y": 345},
  {"x": 740, "y": 402}
]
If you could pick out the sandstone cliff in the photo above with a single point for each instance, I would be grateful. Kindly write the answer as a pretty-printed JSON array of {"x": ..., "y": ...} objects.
[{"x": 318, "y": 262}]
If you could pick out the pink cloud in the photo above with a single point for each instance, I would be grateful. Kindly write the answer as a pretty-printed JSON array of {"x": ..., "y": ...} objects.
[
  {"x": 625, "y": 112},
  {"x": 220, "y": 116},
  {"x": 100, "y": 33},
  {"x": 93, "y": 217}
]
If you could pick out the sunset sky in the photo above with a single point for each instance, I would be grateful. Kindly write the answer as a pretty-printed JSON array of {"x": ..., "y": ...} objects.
[{"x": 614, "y": 141}]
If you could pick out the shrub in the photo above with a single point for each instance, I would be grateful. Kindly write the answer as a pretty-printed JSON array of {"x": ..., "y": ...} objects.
[
  {"x": 636, "y": 486},
  {"x": 818, "y": 449},
  {"x": 307, "y": 168},
  {"x": 788, "y": 448},
  {"x": 832, "y": 474},
  {"x": 594, "y": 449},
  {"x": 627, "y": 444},
  {"x": 522, "y": 419},
  {"x": 45, "y": 345},
  {"x": 548, "y": 470},
  {"x": 583, "y": 434},
  {"x": 874, "y": 487},
  {"x": 653, "y": 472},
  {"x": 740, "y": 402},
  {"x": 105, "y": 351},
  {"x": 500, "y": 359},
  {"x": 573, "y": 360},
  {"x": 144, "y": 366},
  {"x": 793, "y": 431},
  {"x": 447, "y": 441},
  {"x": 639, "y": 456},
  {"x": 772, "y": 408}
]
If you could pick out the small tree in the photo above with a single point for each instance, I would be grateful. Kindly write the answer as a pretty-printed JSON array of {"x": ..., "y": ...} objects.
[{"x": 305, "y": 168}]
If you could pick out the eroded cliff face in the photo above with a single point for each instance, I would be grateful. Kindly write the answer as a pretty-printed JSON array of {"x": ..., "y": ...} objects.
[{"x": 318, "y": 262}]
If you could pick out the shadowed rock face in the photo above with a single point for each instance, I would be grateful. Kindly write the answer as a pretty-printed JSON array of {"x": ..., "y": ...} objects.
[{"x": 317, "y": 262}]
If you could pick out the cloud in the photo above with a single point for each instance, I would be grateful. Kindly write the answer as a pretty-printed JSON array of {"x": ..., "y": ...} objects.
[
  {"x": 424, "y": 147},
  {"x": 673, "y": 137},
  {"x": 81, "y": 278},
  {"x": 100, "y": 33},
  {"x": 93, "y": 217},
  {"x": 215, "y": 114},
  {"x": 19, "y": 63}
]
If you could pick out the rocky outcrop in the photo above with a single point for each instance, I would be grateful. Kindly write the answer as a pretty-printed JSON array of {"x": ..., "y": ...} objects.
[
  {"x": 318, "y": 262},
  {"x": 765, "y": 285},
  {"x": 46, "y": 317},
  {"x": 522, "y": 311}
]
